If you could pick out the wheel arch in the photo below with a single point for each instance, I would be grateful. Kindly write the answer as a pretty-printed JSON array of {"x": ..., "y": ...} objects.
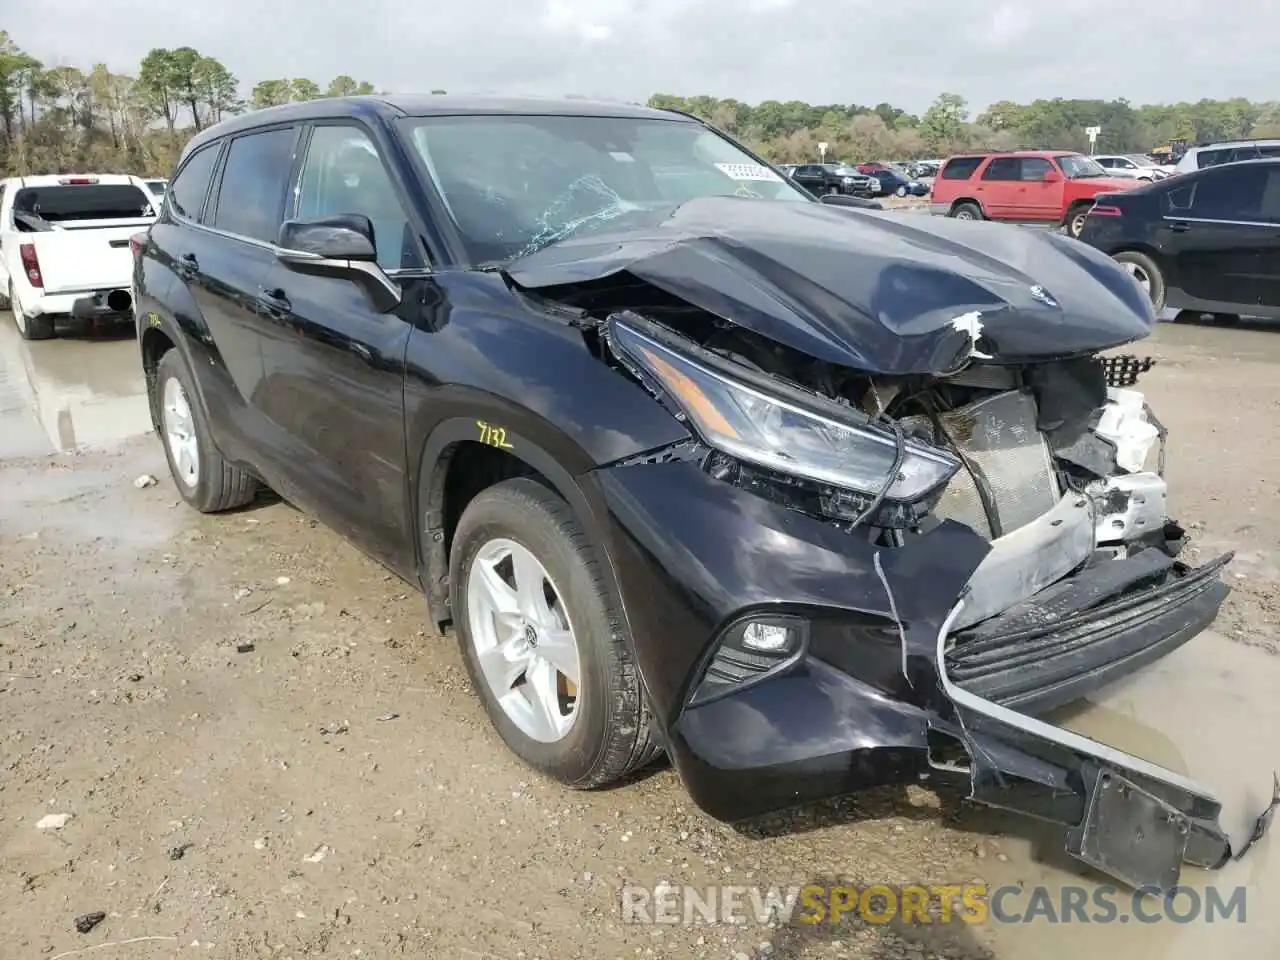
[
  {"x": 154, "y": 343},
  {"x": 459, "y": 460},
  {"x": 959, "y": 201}
]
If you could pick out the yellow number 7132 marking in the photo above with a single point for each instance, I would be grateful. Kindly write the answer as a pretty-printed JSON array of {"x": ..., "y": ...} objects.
[{"x": 493, "y": 436}]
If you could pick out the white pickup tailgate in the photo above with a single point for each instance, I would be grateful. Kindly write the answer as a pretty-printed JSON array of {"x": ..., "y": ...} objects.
[{"x": 86, "y": 256}]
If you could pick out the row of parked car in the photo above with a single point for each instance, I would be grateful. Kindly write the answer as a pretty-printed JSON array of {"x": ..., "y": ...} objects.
[
  {"x": 1205, "y": 239},
  {"x": 876, "y": 179}
]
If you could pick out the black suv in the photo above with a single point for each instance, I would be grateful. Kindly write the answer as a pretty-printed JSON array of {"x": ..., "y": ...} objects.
[
  {"x": 690, "y": 460},
  {"x": 839, "y": 178},
  {"x": 1206, "y": 242}
]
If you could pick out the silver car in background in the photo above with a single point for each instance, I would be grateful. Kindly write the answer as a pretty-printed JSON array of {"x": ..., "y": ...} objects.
[{"x": 1134, "y": 166}]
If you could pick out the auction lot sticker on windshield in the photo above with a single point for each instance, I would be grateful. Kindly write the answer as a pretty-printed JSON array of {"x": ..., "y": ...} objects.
[{"x": 748, "y": 171}]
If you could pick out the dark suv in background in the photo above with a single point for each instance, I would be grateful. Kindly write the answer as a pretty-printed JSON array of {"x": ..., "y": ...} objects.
[
  {"x": 690, "y": 460},
  {"x": 823, "y": 178}
]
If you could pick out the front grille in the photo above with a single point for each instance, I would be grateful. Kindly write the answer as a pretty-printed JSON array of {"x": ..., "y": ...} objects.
[{"x": 1000, "y": 443}]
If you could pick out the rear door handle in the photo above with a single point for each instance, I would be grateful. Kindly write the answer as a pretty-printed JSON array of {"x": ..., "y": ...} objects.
[{"x": 1179, "y": 226}]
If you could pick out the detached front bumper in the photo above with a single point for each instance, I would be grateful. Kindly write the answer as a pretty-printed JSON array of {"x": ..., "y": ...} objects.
[{"x": 885, "y": 689}]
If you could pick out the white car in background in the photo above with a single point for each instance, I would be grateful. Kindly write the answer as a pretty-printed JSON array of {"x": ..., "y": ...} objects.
[
  {"x": 64, "y": 247},
  {"x": 1227, "y": 151},
  {"x": 1134, "y": 166}
]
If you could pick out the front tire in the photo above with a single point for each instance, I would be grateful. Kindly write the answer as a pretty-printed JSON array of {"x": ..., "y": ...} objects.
[
  {"x": 1074, "y": 224},
  {"x": 1147, "y": 273},
  {"x": 201, "y": 474},
  {"x": 900, "y": 192},
  {"x": 531, "y": 608},
  {"x": 30, "y": 328}
]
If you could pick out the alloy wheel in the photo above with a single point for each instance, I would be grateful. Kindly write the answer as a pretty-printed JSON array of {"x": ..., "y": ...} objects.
[
  {"x": 1144, "y": 281},
  {"x": 523, "y": 640},
  {"x": 180, "y": 432}
]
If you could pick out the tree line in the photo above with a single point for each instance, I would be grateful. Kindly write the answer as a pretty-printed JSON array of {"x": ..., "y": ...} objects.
[
  {"x": 790, "y": 132},
  {"x": 59, "y": 119}
]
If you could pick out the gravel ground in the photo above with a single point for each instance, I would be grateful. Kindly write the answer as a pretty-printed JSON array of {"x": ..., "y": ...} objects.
[{"x": 261, "y": 752}]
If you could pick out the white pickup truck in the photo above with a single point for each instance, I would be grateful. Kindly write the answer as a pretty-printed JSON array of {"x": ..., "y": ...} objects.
[{"x": 64, "y": 247}]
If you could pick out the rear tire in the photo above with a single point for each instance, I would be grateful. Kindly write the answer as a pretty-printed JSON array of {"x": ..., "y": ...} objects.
[
  {"x": 610, "y": 732},
  {"x": 30, "y": 328},
  {"x": 967, "y": 211},
  {"x": 214, "y": 485},
  {"x": 1145, "y": 270},
  {"x": 900, "y": 192}
]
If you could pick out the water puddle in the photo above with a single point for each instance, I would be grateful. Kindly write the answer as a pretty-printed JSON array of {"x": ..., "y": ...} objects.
[
  {"x": 69, "y": 393},
  {"x": 1208, "y": 711}
]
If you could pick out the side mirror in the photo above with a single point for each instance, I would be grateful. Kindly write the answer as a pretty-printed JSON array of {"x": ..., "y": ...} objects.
[
  {"x": 341, "y": 246},
  {"x": 346, "y": 236},
  {"x": 843, "y": 200},
  {"x": 1052, "y": 176}
]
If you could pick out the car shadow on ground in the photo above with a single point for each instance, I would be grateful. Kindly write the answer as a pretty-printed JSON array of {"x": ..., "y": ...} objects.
[
  {"x": 1193, "y": 318},
  {"x": 88, "y": 330}
]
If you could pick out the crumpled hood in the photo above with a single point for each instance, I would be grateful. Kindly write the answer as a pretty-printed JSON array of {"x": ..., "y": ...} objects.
[{"x": 884, "y": 293}]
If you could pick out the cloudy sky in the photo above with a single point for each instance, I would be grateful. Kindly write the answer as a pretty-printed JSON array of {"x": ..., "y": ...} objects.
[{"x": 813, "y": 50}]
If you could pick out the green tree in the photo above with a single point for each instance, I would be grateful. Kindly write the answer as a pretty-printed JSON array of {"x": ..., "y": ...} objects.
[
  {"x": 943, "y": 123},
  {"x": 156, "y": 81},
  {"x": 217, "y": 88},
  {"x": 270, "y": 93},
  {"x": 300, "y": 88},
  {"x": 15, "y": 69}
]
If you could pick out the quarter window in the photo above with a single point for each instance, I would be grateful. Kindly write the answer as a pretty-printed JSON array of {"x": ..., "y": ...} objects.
[
  {"x": 189, "y": 187},
  {"x": 343, "y": 174},
  {"x": 251, "y": 194},
  {"x": 960, "y": 168}
]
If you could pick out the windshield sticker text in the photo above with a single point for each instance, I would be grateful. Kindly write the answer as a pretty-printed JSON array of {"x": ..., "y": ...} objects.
[{"x": 748, "y": 171}]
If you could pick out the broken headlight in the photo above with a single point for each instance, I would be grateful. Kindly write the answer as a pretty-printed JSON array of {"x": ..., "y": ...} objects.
[{"x": 767, "y": 423}]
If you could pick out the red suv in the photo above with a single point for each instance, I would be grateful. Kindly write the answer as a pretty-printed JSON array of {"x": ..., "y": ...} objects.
[{"x": 1026, "y": 186}]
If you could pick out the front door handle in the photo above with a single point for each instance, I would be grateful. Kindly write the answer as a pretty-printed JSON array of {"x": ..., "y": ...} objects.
[
  {"x": 275, "y": 300},
  {"x": 1179, "y": 226}
]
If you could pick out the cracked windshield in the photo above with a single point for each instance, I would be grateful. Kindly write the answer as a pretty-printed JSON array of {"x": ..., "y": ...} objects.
[{"x": 514, "y": 185}]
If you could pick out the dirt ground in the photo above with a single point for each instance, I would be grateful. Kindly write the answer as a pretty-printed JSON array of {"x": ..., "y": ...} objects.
[{"x": 263, "y": 753}]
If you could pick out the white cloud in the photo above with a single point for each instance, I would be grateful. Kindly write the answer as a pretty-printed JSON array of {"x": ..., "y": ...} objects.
[{"x": 750, "y": 49}]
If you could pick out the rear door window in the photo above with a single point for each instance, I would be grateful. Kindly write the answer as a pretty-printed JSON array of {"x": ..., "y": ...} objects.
[
  {"x": 191, "y": 185},
  {"x": 960, "y": 168},
  {"x": 1211, "y": 158},
  {"x": 251, "y": 195},
  {"x": 1003, "y": 168},
  {"x": 1232, "y": 194}
]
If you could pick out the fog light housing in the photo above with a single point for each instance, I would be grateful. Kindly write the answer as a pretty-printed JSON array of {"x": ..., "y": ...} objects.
[{"x": 749, "y": 651}]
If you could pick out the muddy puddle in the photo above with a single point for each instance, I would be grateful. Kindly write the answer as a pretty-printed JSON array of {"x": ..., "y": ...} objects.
[
  {"x": 1208, "y": 711},
  {"x": 78, "y": 390}
]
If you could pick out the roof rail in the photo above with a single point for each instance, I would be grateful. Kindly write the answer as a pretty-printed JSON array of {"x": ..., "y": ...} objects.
[{"x": 1211, "y": 143}]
